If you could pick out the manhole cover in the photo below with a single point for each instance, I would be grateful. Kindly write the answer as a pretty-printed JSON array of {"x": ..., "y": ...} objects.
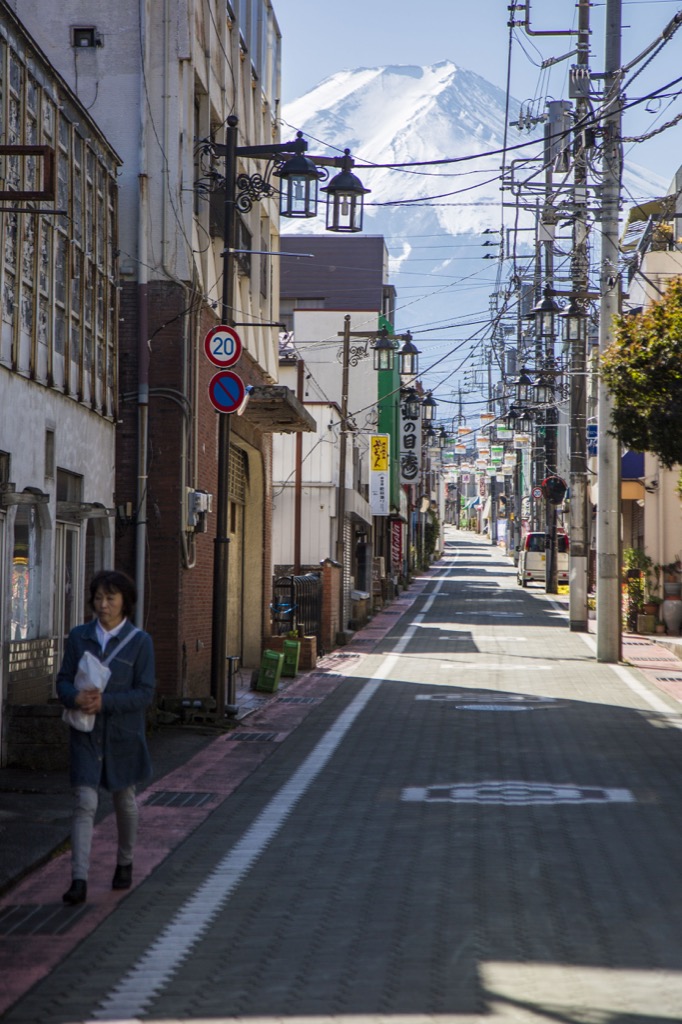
[{"x": 488, "y": 699}]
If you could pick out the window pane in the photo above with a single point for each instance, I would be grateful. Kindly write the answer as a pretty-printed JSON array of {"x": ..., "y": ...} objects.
[{"x": 25, "y": 558}]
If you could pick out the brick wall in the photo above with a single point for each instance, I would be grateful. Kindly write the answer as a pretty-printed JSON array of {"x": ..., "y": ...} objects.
[
  {"x": 178, "y": 599},
  {"x": 331, "y": 617}
]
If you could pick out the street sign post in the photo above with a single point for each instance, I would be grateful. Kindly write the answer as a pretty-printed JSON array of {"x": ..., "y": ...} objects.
[
  {"x": 223, "y": 346},
  {"x": 226, "y": 391}
]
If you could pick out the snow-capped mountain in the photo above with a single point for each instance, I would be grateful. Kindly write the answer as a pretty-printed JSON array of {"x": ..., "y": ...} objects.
[
  {"x": 433, "y": 217},
  {"x": 404, "y": 114}
]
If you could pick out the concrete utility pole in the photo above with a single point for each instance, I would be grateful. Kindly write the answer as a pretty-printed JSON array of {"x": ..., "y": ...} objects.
[
  {"x": 579, "y": 544},
  {"x": 608, "y": 499}
]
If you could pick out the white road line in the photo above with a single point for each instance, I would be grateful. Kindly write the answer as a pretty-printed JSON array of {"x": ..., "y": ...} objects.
[
  {"x": 655, "y": 703},
  {"x": 138, "y": 988}
]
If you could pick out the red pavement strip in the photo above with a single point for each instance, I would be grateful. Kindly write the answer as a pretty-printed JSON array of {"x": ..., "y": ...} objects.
[
  {"x": 219, "y": 769},
  {"x": 654, "y": 661}
]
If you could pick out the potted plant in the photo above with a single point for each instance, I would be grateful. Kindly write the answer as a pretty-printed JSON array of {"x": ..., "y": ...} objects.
[{"x": 672, "y": 578}]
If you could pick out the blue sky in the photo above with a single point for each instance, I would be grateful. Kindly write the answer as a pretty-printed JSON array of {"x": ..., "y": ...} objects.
[{"x": 320, "y": 39}]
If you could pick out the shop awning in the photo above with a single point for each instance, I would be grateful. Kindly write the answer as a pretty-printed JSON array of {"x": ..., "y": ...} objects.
[{"x": 274, "y": 409}]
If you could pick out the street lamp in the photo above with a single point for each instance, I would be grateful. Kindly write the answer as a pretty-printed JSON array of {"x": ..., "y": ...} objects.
[
  {"x": 523, "y": 387},
  {"x": 543, "y": 391},
  {"x": 544, "y": 313},
  {"x": 299, "y": 176},
  {"x": 345, "y": 198},
  {"x": 300, "y": 179},
  {"x": 384, "y": 351},
  {"x": 409, "y": 357},
  {"x": 574, "y": 323},
  {"x": 410, "y": 403},
  {"x": 429, "y": 406}
]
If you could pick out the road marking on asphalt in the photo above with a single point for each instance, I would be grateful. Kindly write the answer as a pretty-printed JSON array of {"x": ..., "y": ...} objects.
[
  {"x": 654, "y": 702},
  {"x": 516, "y": 793},
  {"x": 495, "y": 668},
  {"x": 134, "y": 993}
]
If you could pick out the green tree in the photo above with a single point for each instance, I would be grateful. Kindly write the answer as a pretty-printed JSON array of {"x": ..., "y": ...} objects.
[{"x": 642, "y": 369}]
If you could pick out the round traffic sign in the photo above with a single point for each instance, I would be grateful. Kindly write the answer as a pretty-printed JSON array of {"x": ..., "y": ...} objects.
[
  {"x": 223, "y": 346},
  {"x": 226, "y": 391},
  {"x": 537, "y": 492}
]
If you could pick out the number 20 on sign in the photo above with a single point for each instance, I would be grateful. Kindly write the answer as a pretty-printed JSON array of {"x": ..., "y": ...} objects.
[{"x": 223, "y": 346}]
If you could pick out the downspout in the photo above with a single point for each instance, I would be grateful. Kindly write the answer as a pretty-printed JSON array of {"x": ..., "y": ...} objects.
[
  {"x": 300, "y": 390},
  {"x": 142, "y": 338},
  {"x": 187, "y": 541}
]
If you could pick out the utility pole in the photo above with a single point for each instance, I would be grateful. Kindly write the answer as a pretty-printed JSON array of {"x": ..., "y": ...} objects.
[
  {"x": 608, "y": 501},
  {"x": 578, "y": 549},
  {"x": 341, "y": 492}
]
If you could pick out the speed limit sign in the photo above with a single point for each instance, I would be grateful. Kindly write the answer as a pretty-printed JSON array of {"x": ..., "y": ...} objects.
[
  {"x": 223, "y": 346},
  {"x": 537, "y": 492}
]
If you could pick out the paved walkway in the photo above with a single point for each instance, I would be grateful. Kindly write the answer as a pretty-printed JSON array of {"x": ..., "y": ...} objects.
[
  {"x": 32, "y": 944},
  {"x": 37, "y": 932}
]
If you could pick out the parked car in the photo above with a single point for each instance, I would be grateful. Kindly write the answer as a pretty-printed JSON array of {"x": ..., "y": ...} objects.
[{"x": 532, "y": 558}]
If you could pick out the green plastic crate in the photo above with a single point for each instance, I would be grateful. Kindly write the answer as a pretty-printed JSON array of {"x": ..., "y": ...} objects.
[
  {"x": 270, "y": 671},
  {"x": 292, "y": 652}
]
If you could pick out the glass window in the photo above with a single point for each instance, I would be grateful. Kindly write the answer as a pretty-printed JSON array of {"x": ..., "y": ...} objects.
[{"x": 25, "y": 565}]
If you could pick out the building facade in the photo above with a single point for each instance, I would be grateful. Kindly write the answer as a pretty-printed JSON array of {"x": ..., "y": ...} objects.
[
  {"x": 58, "y": 367},
  {"x": 161, "y": 79}
]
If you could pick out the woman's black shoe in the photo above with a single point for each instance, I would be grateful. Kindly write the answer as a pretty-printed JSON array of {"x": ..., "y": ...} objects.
[
  {"x": 123, "y": 876},
  {"x": 77, "y": 893}
]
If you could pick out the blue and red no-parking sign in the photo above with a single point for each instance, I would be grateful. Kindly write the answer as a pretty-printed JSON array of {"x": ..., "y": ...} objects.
[
  {"x": 226, "y": 391},
  {"x": 223, "y": 347}
]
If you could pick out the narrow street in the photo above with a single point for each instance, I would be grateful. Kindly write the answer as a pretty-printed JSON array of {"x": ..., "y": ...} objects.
[{"x": 470, "y": 821}]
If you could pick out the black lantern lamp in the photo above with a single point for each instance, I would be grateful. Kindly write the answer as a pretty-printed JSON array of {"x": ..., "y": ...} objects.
[
  {"x": 431, "y": 437},
  {"x": 524, "y": 388},
  {"x": 410, "y": 403},
  {"x": 429, "y": 406},
  {"x": 574, "y": 323},
  {"x": 409, "y": 357},
  {"x": 384, "y": 352},
  {"x": 442, "y": 437},
  {"x": 519, "y": 420},
  {"x": 543, "y": 391},
  {"x": 544, "y": 313},
  {"x": 345, "y": 199},
  {"x": 300, "y": 179}
]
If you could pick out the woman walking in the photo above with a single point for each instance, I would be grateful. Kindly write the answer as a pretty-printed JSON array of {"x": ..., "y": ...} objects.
[{"x": 114, "y": 754}]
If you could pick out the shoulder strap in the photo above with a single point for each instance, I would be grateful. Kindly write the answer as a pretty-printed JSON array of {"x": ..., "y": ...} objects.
[{"x": 119, "y": 647}]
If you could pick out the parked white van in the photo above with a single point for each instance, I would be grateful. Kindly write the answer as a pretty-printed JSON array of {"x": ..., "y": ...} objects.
[{"x": 532, "y": 559}]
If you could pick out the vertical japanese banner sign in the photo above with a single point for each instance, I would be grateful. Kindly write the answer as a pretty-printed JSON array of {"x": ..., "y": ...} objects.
[
  {"x": 396, "y": 545},
  {"x": 410, "y": 446},
  {"x": 378, "y": 476}
]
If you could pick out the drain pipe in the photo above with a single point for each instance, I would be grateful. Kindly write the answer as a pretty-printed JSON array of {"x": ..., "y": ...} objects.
[{"x": 142, "y": 344}]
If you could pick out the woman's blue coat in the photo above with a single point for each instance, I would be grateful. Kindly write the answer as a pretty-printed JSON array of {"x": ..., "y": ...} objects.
[{"x": 115, "y": 754}]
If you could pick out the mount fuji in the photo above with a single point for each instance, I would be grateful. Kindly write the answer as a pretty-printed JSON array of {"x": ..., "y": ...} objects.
[{"x": 433, "y": 217}]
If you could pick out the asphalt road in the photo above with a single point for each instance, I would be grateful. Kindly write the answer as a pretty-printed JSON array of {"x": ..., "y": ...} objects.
[{"x": 474, "y": 822}]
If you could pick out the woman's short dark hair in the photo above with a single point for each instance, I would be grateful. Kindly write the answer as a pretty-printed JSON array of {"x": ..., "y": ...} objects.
[{"x": 113, "y": 582}]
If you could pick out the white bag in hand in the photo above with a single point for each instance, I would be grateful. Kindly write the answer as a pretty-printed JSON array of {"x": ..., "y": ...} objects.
[{"x": 91, "y": 672}]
